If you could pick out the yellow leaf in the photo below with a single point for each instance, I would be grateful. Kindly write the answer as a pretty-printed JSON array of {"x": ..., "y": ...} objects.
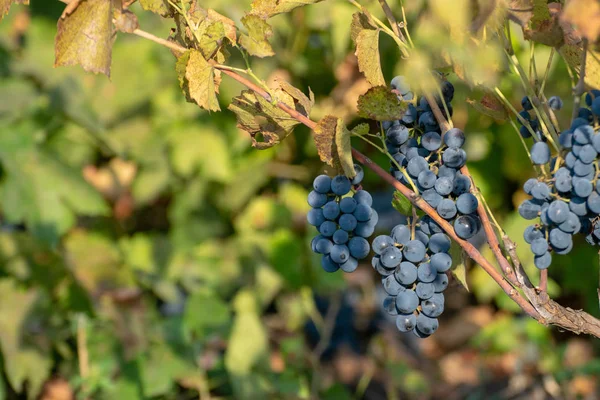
[
  {"x": 5, "y": 5},
  {"x": 85, "y": 36},
  {"x": 256, "y": 42},
  {"x": 366, "y": 37},
  {"x": 332, "y": 140},
  {"x": 572, "y": 55},
  {"x": 200, "y": 77}
]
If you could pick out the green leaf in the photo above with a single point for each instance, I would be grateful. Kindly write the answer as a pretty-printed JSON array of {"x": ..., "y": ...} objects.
[
  {"x": 541, "y": 13},
  {"x": 268, "y": 8},
  {"x": 366, "y": 38},
  {"x": 85, "y": 36},
  {"x": 248, "y": 340},
  {"x": 256, "y": 42},
  {"x": 402, "y": 204},
  {"x": 380, "y": 104},
  {"x": 160, "y": 7},
  {"x": 460, "y": 269},
  {"x": 204, "y": 311},
  {"x": 160, "y": 369},
  {"x": 202, "y": 81},
  {"x": 41, "y": 191},
  {"x": 23, "y": 361},
  {"x": 5, "y": 6},
  {"x": 360, "y": 129},
  {"x": 265, "y": 122}
]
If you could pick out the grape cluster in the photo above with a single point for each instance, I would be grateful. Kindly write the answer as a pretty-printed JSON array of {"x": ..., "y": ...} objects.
[
  {"x": 432, "y": 160},
  {"x": 344, "y": 220},
  {"x": 568, "y": 201},
  {"x": 413, "y": 261}
]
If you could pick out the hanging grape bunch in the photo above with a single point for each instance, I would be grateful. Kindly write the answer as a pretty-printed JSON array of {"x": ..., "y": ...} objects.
[
  {"x": 431, "y": 161},
  {"x": 566, "y": 197},
  {"x": 343, "y": 219},
  {"x": 413, "y": 261}
]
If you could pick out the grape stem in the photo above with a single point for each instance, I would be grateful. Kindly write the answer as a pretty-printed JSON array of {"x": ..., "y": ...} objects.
[{"x": 540, "y": 306}]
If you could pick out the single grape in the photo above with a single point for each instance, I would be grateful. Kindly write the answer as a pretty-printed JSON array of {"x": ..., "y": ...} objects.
[
  {"x": 348, "y": 205},
  {"x": 406, "y": 322},
  {"x": 363, "y": 197},
  {"x": 391, "y": 285},
  {"x": 416, "y": 165},
  {"x": 572, "y": 223},
  {"x": 539, "y": 246},
  {"x": 350, "y": 265},
  {"x": 347, "y": 222},
  {"x": 444, "y": 185},
  {"x": 462, "y": 184},
  {"x": 465, "y": 227},
  {"x": 331, "y": 210},
  {"x": 391, "y": 257},
  {"x": 543, "y": 261},
  {"x": 559, "y": 239},
  {"x": 340, "y": 236},
  {"x": 382, "y": 242},
  {"x": 362, "y": 213},
  {"x": 426, "y": 179},
  {"x": 587, "y": 154},
  {"x": 407, "y": 302},
  {"x": 531, "y": 233},
  {"x": 432, "y": 197},
  {"x": 339, "y": 253},
  {"x": 359, "y": 247},
  {"x": 316, "y": 199},
  {"x": 426, "y": 272},
  {"x": 340, "y": 185},
  {"x": 439, "y": 243},
  {"x": 328, "y": 228},
  {"x": 555, "y": 103},
  {"x": 566, "y": 139},
  {"x": 433, "y": 307},
  {"x": 315, "y": 217},
  {"x": 454, "y": 157},
  {"x": 425, "y": 290},
  {"x": 431, "y": 141},
  {"x": 558, "y": 211},
  {"x": 401, "y": 234},
  {"x": 583, "y": 134},
  {"x": 526, "y": 103},
  {"x": 540, "y": 191},
  {"x": 578, "y": 206},
  {"x": 447, "y": 172},
  {"x": 454, "y": 138},
  {"x": 364, "y": 229},
  {"x": 593, "y": 203},
  {"x": 426, "y": 324},
  {"x": 322, "y": 184},
  {"x": 328, "y": 264},
  {"x": 466, "y": 203},
  {"x": 397, "y": 135},
  {"x": 414, "y": 251},
  {"x": 360, "y": 174},
  {"x": 442, "y": 262},
  {"x": 440, "y": 283},
  {"x": 406, "y": 273},
  {"x": 323, "y": 246},
  {"x": 446, "y": 209},
  {"x": 540, "y": 153},
  {"x": 582, "y": 187}
]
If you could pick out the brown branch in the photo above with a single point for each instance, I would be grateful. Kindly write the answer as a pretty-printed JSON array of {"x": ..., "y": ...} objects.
[
  {"x": 543, "y": 280},
  {"x": 391, "y": 19},
  {"x": 541, "y": 308}
]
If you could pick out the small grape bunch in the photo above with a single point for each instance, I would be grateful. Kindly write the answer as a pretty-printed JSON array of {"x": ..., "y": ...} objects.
[
  {"x": 432, "y": 161},
  {"x": 413, "y": 261},
  {"x": 344, "y": 220},
  {"x": 567, "y": 202}
]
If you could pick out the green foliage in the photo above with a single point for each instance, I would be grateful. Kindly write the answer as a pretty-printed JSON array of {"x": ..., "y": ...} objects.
[{"x": 380, "y": 104}]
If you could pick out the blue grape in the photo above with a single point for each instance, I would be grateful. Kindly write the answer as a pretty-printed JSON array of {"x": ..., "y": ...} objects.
[
  {"x": 348, "y": 205},
  {"x": 359, "y": 247},
  {"x": 322, "y": 184},
  {"x": 593, "y": 203},
  {"x": 426, "y": 272},
  {"x": 572, "y": 223},
  {"x": 348, "y": 222},
  {"x": 444, "y": 185},
  {"x": 389, "y": 305},
  {"x": 454, "y": 138},
  {"x": 439, "y": 243},
  {"x": 363, "y": 197},
  {"x": 454, "y": 157},
  {"x": 340, "y": 236},
  {"x": 391, "y": 257},
  {"x": 442, "y": 262},
  {"x": 539, "y": 246},
  {"x": 431, "y": 141},
  {"x": 350, "y": 265},
  {"x": 340, "y": 185},
  {"x": 331, "y": 210},
  {"x": 543, "y": 261},
  {"x": 526, "y": 103},
  {"x": 555, "y": 103},
  {"x": 339, "y": 253},
  {"x": 323, "y": 246},
  {"x": 426, "y": 325},
  {"x": 432, "y": 197},
  {"x": 414, "y": 251},
  {"x": 531, "y": 233},
  {"x": 447, "y": 209},
  {"x": 315, "y": 217},
  {"x": 316, "y": 199},
  {"x": 416, "y": 165},
  {"x": 425, "y": 290},
  {"x": 382, "y": 242},
  {"x": 466, "y": 203},
  {"x": 582, "y": 187},
  {"x": 397, "y": 135},
  {"x": 360, "y": 174},
  {"x": 406, "y": 273},
  {"x": 407, "y": 302},
  {"x": 391, "y": 285},
  {"x": 559, "y": 239},
  {"x": 328, "y": 228},
  {"x": 401, "y": 234},
  {"x": 540, "y": 153},
  {"x": 462, "y": 184},
  {"x": 362, "y": 213},
  {"x": 433, "y": 307},
  {"x": 440, "y": 283},
  {"x": 426, "y": 179},
  {"x": 465, "y": 227},
  {"x": 406, "y": 322},
  {"x": 328, "y": 264},
  {"x": 558, "y": 211}
]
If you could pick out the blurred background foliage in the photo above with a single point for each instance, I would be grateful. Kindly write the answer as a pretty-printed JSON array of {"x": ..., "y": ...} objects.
[{"x": 148, "y": 252}]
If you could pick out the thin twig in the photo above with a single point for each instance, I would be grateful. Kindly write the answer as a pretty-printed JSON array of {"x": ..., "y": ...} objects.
[
  {"x": 391, "y": 19},
  {"x": 543, "y": 280}
]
